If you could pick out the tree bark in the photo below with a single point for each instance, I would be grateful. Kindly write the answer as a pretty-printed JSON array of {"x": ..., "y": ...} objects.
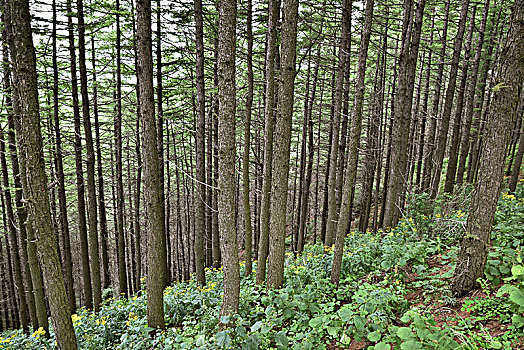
[
  {"x": 90, "y": 162},
  {"x": 29, "y": 140},
  {"x": 200, "y": 215},
  {"x": 354, "y": 143},
  {"x": 248, "y": 231},
  {"x": 402, "y": 112},
  {"x": 500, "y": 119},
  {"x": 448, "y": 104},
  {"x": 156, "y": 239},
  {"x": 449, "y": 183},
  {"x": 468, "y": 110},
  {"x": 337, "y": 105},
  {"x": 227, "y": 13},
  {"x": 120, "y": 242},
  {"x": 80, "y": 189},
  {"x": 263, "y": 247},
  {"x": 277, "y": 233}
]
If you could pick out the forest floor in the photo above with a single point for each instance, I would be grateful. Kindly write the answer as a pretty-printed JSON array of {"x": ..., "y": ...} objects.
[{"x": 394, "y": 294}]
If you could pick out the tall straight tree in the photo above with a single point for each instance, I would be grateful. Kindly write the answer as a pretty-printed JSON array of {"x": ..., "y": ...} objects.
[
  {"x": 277, "y": 233},
  {"x": 247, "y": 140},
  {"x": 67, "y": 265},
  {"x": 449, "y": 183},
  {"x": 90, "y": 162},
  {"x": 106, "y": 279},
  {"x": 227, "y": 18},
  {"x": 448, "y": 103},
  {"x": 468, "y": 109},
  {"x": 337, "y": 106},
  {"x": 156, "y": 239},
  {"x": 263, "y": 245},
  {"x": 119, "y": 224},
  {"x": 500, "y": 120},
  {"x": 200, "y": 213},
  {"x": 349, "y": 183},
  {"x": 402, "y": 110},
  {"x": 160, "y": 135},
  {"x": 80, "y": 188},
  {"x": 430, "y": 144},
  {"x": 12, "y": 240},
  {"x": 29, "y": 140}
]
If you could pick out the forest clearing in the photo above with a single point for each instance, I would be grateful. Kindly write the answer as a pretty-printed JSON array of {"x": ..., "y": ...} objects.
[{"x": 248, "y": 175}]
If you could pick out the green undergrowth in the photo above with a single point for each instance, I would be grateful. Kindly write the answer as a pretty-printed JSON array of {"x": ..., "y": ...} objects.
[{"x": 394, "y": 294}]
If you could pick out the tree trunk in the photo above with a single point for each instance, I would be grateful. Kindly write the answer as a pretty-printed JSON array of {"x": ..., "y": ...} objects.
[
  {"x": 278, "y": 229},
  {"x": 29, "y": 140},
  {"x": 120, "y": 245},
  {"x": 337, "y": 105},
  {"x": 455, "y": 136},
  {"x": 263, "y": 246},
  {"x": 248, "y": 231},
  {"x": 448, "y": 104},
  {"x": 468, "y": 111},
  {"x": 156, "y": 239},
  {"x": 80, "y": 189},
  {"x": 351, "y": 171},
  {"x": 429, "y": 152},
  {"x": 200, "y": 215},
  {"x": 500, "y": 119},
  {"x": 227, "y": 13},
  {"x": 91, "y": 190},
  {"x": 402, "y": 112}
]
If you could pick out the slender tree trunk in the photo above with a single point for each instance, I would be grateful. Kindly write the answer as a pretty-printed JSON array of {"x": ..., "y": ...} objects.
[
  {"x": 91, "y": 190},
  {"x": 402, "y": 112},
  {"x": 200, "y": 215},
  {"x": 450, "y": 93},
  {"x": 430, "y": 144},
  {"x": 501, "y": 116},
  {"x": 279, "y": 188},
  {"x": 455, "y": 137},
  {"x": 138, "y": 180},
  {"x": 227, "y": 13},
  {"x": 425, "y": 99},
  {"x": 351, "y": 171},
  {"x": 466, "y": 134},
  {"x": 248, "y": 231},
  {"x": 373, "y": 140},
  {"x": 81, "y": 206},
  {"x": 337, "y": 106},
  {"x": 263, "y": 248},
  {"x": 19, "y": 283},
  {"x": 106, "y": 277},
  {"x": 304, "y": 208},
  {"x": 160, "y": 135},
  {"x": 29, "y": 140},
  {"x": 121, "y": 261},
  {"x": 156, "y": 252}
]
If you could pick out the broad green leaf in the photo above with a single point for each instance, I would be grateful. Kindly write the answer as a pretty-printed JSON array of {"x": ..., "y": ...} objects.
[
  {"x": 281, "y": 339},
  {"x": 405, "y": 333},
  {"x": 315, "y": 322},
  {"x": 223, "y": 339},
  {"x": 517, "y": 270},
  {"x": 411, "y": 345},
  {"x": 374, "y": 336},
  {"x": 382, "y": 346},
  {"x": 256, "y": 326},
  {"x": 517, "y": 296}
]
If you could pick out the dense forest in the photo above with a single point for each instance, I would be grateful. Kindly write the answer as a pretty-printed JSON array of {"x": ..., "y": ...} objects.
[{"x": 262, "y": 175}]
